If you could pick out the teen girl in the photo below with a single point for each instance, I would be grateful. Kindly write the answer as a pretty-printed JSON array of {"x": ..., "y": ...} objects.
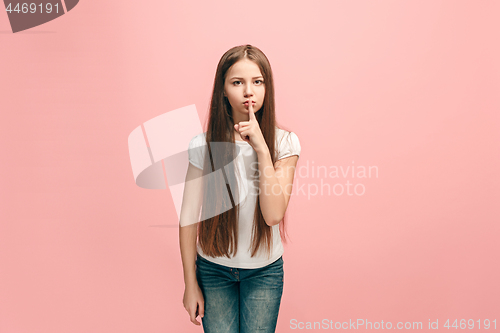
[{"x": 232, "y": 255}]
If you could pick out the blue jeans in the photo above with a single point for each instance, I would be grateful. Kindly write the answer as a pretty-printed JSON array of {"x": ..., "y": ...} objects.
[{"x": 238, "y": 299}]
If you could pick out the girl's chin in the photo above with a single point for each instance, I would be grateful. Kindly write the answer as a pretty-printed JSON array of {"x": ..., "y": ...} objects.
[{"x": 245, "y": 110}]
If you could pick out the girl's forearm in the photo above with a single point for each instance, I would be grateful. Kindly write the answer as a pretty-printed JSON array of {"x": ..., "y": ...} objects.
[
  {"x": 187, "y": 240},
  {"x": 271, "y": 196}
]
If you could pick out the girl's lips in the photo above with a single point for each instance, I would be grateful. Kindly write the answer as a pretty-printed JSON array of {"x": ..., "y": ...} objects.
[{"x": 246, "y": 103}]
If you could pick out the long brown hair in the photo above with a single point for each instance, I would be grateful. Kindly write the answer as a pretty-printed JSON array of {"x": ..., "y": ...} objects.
[{"x": 218, "y": 233}]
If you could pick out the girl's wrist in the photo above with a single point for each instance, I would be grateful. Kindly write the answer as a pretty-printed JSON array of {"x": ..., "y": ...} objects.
[
  {"x": 190, "y": 282},
  {"x": 263, "y": 151},
  {"x": 190, "y": 277}
]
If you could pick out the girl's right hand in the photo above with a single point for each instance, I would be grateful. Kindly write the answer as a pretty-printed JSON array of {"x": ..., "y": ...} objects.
[{"x": 194, "y": 302}]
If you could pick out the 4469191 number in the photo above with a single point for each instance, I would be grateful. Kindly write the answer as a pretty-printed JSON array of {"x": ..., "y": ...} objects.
[
  {"x": 23, "y": 8},
  {"x": 469, "y": 324}
]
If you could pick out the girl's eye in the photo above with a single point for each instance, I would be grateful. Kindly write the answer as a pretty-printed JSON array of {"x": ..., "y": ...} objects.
[{"x": 236, "y": 83}]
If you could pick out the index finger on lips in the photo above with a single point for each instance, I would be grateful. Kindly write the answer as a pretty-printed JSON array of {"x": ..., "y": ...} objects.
[{"x": 251, "y": 114}]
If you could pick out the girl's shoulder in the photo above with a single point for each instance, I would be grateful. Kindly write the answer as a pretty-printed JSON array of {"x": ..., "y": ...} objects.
[
  {"x": 198, "y": 140},
  {"x": 287, "y": 143},
  {"x": 280, "y": 132}
]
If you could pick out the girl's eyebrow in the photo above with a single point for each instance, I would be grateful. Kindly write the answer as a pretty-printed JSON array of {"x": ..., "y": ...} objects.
[{"x": 242, "y": 78}]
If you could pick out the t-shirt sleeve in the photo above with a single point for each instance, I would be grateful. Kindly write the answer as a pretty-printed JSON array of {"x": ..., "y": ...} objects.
[
  {"x": 288, "y": 146},
  {"x": 196, "y": 150}
]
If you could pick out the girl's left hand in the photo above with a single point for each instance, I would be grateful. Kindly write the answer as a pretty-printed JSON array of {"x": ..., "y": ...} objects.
[{"x": 250, "y": 130}]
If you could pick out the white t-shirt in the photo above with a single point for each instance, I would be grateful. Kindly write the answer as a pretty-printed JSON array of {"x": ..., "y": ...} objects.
[{"x": 286, "y": 144}]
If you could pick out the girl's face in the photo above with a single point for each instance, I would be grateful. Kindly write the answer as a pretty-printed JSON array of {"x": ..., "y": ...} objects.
[{"x": 244, "y": 82}]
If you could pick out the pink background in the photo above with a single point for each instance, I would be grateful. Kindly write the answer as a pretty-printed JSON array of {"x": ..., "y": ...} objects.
[{"x": 411, "y": 87}]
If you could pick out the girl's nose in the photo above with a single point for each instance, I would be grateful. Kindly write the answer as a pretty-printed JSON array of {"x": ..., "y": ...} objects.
[{"x": 248, "y": 92}]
